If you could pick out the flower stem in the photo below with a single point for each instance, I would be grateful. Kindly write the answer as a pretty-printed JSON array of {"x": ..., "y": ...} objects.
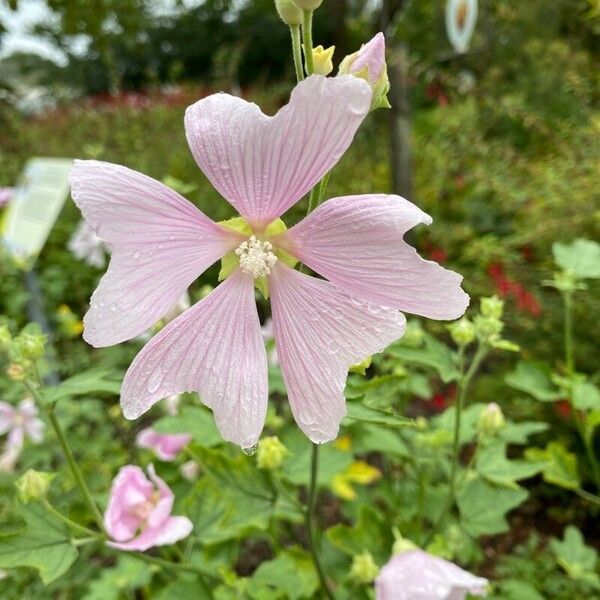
[
  {"x": 307, "y": 42},
  {"x": 309, "y": 521},
  {"x": 297, "y": 51},
  {"x": 68, "y": 453},
  {"x": 67, "y": 521}
]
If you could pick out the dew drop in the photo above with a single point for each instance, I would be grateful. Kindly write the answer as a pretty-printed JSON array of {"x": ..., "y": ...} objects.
[{"x": 136, "y": 255}]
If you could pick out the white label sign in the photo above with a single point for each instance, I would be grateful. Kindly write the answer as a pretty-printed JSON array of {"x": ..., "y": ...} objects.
[
  {"x": 461, "y": 16},
  {"x": 35, "y": 206}
]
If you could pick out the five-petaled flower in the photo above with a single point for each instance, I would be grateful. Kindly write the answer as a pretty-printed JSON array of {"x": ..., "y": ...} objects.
[
  {"x": 262, "y": 165},
  {"x": 417, "y": 575},
  {"x": 138, "y": 515},
  {"x": 19, "y": 422}
]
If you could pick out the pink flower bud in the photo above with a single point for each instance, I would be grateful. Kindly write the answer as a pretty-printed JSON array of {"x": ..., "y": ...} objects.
[{"x": 166, "y": 446}]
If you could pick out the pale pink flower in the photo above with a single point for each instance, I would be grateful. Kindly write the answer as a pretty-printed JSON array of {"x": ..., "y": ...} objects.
[
  {"x": 20, "y": 422},
  {"x": 6, "y": 195},
  {"x": 138, "y": 515},
  {"x": 172, "y": 404},
  {"x": 8, "y": 458},
  {"x": 266, "y": 332},
  {"x": 190, "y": 470},
  {"x": 417, "y": 575},
  {"x": 263, "y": 165},
  {"x": 370, "y": 58},
  {"x": 87, "y": 246},
  {"x": 166, "y": 446}
]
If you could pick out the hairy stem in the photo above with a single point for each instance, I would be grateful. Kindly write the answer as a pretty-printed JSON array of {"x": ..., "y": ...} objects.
[
  {"x": 68, "y": 453},
  {"x": 309, "y": 520},
  {"x": 297, "y": 51},
  {"x": 307, "y": 42}
]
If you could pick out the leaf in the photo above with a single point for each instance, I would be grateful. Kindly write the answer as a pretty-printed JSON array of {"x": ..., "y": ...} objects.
[
  {"x": 581, "y": 257},
  {"x": 128, "y": 574},
  {"x": 492, "y": 464},
  {"x": 586, "y": 396},
  {"x": 518, "y": 433},
  {"x": 433, "y": 354},
  {"x": 291, "y": 575},
  {"x": 591, "y": 421},
  {"x": 534, "y": 380},
  {"x": 577, "y": 559},
  {"x": 483, "y": 506},
  {"x": 512, "y": 589},
  {"x": 45, "y": 544},
  {"x": 195, "y": 420},
  {"x": 359, "y": 412},
  {"x": 97, "y": 381},
  {"x": 560, "y": 465},
  {"x": 371, "y": 532},
  {"x": 182, "y": 590}
]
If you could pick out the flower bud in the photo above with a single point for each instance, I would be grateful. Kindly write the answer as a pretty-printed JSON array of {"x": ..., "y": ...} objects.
[
  {"x": 30, "y": 345},
  {"x": 492, "y": 307},
  {"x": 33, "y": 485},
  {"x": 16, "y": 372},
  {"x": 5, "y": 338},
  {"x": 308, "y": 4},
  {"x": 462, "y": 332},
  {"x": 322, "y": 58},
  {"x": 270, "y": 453},
  {"x": 488, "y": 328},
  {"x": 491, "y": 420},
  {"x": 402, "y": 544},
  {"x": 363, "y": 570},
  {"x": 414, "y": 335},
  {"x": 369, "y": 64},
  {"x": 288, "y": 12}
]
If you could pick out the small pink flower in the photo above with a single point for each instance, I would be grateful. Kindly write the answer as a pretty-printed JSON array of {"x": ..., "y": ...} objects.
[
  {"x": 166, "y": 446},
  {"x": 263, "y": 165},
  {"x": 370, "y": 57},
  {"x": 416, "y": 575},
  {"x": 21, "y": 422},
  {"x": 6, "y": 195},
  {"x": 138, "y": 515}
]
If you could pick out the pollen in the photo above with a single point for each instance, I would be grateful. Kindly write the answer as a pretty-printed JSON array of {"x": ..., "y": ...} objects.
[{"x": 256, "y": 257}]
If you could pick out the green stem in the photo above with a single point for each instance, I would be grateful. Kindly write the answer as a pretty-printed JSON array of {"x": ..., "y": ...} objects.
[
  {"x": 307, "y": 42},
  {"x": 87, "y": 540},
  {"x": 67, "y": 521},
  {"x": 569, "y": 356},
  {"x": 68, "y": 453},
  {"x": 297, "y": 51},
  {"x": 309, "y": 521},
  {"x": 323, "y": 187}
]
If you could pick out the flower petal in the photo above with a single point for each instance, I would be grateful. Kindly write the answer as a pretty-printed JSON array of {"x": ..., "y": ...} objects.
[
  {"x": 319, "y": 333},
  {"x": 160, "y": 243},
  {"x": 214, "y": 348},
  {"x": 356, "y": 242},
  {"x": 171, "y": 531},
  {"x": 7, "y": 415},
  {"x": 263, "y": 164}
]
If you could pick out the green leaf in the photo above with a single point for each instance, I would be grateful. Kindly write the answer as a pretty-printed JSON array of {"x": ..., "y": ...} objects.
[
  {"x": 483, "y": 506},
  {"x": 518, "y": 433},
  {"x": 586, "y": 396},
  {"x": 291, "y": 575},
  {"x": 560, "y": 465},
  {"x": 513, "y": 589},
  {"x": 577, "y": 559},
  {"x": 534, "y": 380},
  {"x": 195, "y": 420},
  {"x": 492, "y": 464},
  {"x": 433, "y": 354},
  {"x": 591, "y": 421},
  {"x": 182, "y": 590},
  {"x": 371, "y": 532},
  {"x": 127, "y": 575},
  {"x": 581, "y": 257},
  {"x": 45, "y": 544},
  {"x": 97, "y": 381},
  {"x": 359, "y": 412}
]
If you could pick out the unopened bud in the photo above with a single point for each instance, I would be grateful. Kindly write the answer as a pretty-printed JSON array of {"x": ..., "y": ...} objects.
[
  {"x": 491, "y": 420},
  {"x": 488, "y": 328},
  {"x": 288, "y": 12},
  {"x": 402, "y": 544},
  {"x": 462, "y": 332},
  {"x": 492, "y": 307},
  {"x": 33, "y": 485},
  {"x": 30, "y": 345},
  {"x": 414, "y": 335},
  {"x": 270, "y": 453},
  {"x": 369, "y": 64},
  {"x": 322, "y": 58},
  {"x": 363, "y": 570},
  {"x": 308, "y": 4}
]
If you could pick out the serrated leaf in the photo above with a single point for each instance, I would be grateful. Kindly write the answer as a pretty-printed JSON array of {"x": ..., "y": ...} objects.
[
  {"x": 533, "y": 380},
  {"x": 433, "y": 354},
  {"x": 291, "y": 575},
  {"x": 97, "y": 381},
  {"x": 572, "y": 554},
  {"x": 195, "y": 420},
  {"x": 45, "y": 544},
  {"x": 581, "y": 257},
  {"x": 492, "y": 464},
  {"x": 560, "y": 466},
  {"x": 518, "y": 433},
  {"x": 483, "y": 506}
]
